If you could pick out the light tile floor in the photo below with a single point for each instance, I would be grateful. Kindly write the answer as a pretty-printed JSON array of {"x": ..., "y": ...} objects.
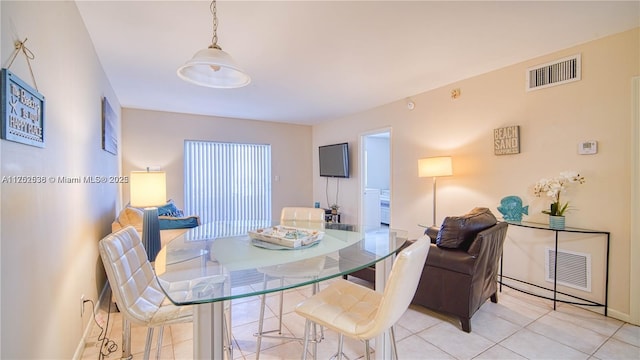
[{"x": 519, "y": 326}]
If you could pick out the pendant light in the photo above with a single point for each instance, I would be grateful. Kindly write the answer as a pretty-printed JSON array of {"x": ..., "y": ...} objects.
[{"x": 212, "y": 67}]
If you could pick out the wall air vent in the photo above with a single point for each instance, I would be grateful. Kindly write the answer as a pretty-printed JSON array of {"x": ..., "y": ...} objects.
[
  {"x": 554, "y": 73},
  {"x": 574, "y": 268}
]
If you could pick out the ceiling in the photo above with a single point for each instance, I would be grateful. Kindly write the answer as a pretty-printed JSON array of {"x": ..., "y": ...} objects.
[{"x": 311, "y": 61}]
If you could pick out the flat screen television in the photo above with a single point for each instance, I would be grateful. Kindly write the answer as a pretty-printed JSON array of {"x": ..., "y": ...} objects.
[{"x": 334, "y": 160}]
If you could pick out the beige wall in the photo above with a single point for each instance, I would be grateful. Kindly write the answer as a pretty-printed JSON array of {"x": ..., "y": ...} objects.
[
  {"x": 49, "y": 232},
  {"x": 552, "y": 122},
  {"x": 156, "y": 139}
]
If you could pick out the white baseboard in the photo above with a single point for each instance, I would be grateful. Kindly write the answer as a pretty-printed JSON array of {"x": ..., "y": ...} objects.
[{"x": 620, "y": 316}]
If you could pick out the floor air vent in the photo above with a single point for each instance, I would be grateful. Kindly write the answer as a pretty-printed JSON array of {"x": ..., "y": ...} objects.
[
  {"x": 574, "y": 268},
  {"x": 554, "y": 73}
]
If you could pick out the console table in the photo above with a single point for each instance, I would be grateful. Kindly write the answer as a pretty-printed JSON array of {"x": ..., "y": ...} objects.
[{"x": 584, "y": 302}]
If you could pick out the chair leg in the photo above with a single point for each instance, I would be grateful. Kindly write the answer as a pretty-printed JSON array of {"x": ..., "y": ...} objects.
[
  {"x": 262, "y": 333},
  {"x": 263, "y": 300},
  {"x": 314, "y": 334},
  {"x": 307, "y": 324},
  {"x": 340, "y": 345},
  {"x": 340, "y": 353},
  {"x": 126, "y": 339},
  {"x": 228, "y": 338},
  {"x": 314, "y": 290},
  {"x": 281, "y": 305},
  {"x": 494, "y": 298},
  {"x": 159, "y": 346},
  {"x": 147, "y": 345},
  {"x": 260, "y": 326},
  {"x": 392, "y": 334},
  {"x": 466, "y": 324},
  {"x": 367, "y": 350}
]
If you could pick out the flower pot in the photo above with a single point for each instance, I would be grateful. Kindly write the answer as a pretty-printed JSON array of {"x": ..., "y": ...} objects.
[{"x": 556, "y": 222}]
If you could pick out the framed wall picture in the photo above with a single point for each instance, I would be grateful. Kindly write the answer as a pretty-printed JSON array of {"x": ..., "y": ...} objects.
[
  {"x": 22, "y": 111},
  {"x": 506, "y": 140},
  {"x": 109, "y": 124}
]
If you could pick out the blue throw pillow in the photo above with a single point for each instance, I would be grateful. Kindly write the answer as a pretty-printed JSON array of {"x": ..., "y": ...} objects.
[
  {"x": 169, "y": 209},
  {"x": 178, "y": 223}
]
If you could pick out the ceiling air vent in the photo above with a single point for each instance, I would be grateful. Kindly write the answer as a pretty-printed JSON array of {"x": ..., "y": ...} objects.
[{"x": 554, "y": 73}]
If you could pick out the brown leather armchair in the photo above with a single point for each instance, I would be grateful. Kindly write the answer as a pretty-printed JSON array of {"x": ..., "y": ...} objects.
[{"x": 460, "y": 273}]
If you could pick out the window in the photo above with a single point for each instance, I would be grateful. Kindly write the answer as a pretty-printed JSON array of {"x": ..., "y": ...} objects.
[{"x": 227, "y": 182}]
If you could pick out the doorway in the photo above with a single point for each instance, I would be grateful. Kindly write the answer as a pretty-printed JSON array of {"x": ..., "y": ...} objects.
[
  {"x": 376, "y": 179},
  {"x": 635, "y": 208}
]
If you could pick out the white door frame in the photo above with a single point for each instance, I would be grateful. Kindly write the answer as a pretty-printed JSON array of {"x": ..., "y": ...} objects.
[
  {"x": 383, "y": 268},
  {"x": 634, "y": 268},
  {"x": 363, "y": 169}
]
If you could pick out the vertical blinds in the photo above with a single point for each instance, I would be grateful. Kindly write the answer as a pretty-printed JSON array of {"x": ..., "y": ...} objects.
[{"x": 227, "y": 182}]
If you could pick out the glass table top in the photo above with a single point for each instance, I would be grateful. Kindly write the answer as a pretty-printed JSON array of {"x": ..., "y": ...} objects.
[
  {"x": 218, "y": 261},
  {"x": 534, "y": 225}
]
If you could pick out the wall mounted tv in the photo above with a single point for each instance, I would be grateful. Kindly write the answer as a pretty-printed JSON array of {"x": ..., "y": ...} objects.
[{"x": 334, "y": 160}]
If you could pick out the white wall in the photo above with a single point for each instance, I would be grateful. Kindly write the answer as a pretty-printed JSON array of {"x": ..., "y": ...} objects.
[
  {"x": 152, "y": 138},
  {"x": 49, "y": 232},
  {"x": 552, "y": 123},
  {"x": 378, "y": 162}
]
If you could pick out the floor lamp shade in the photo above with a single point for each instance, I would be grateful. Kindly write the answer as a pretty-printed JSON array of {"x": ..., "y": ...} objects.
[
  {"x": 148, "y": 189},
  {"x": 435, "y": 167}
]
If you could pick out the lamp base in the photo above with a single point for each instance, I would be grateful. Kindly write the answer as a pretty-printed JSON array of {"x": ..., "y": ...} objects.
[
  {"x": 434, "y": 201},
  {"x": 151, "y": 232}
]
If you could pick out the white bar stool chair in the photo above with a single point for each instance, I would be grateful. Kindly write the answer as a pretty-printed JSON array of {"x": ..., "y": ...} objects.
[
  {"x": 138, "y": 295},
  {"x": 362, "y": 313},
  {"x": 301, "y": 217}
]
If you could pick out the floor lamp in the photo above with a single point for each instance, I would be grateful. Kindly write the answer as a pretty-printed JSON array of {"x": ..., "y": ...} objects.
[
  {"x": 435, "y": 167},
  {"x": 148, "y": 190}
]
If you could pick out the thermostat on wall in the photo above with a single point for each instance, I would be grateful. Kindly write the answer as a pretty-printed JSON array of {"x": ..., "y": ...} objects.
[{"x": 588, "y": 147}]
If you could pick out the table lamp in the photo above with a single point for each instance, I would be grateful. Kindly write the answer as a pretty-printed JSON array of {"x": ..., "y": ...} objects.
[
  {"x": 435, "y": 167},
  {"x": 148, "y": 190}
]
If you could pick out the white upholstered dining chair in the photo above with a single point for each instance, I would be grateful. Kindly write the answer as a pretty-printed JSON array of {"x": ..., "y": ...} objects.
[
  {"x": 136, "y": 290},
  {"x": 362, "y": 313},
  {"x": 300, "y": 217}
]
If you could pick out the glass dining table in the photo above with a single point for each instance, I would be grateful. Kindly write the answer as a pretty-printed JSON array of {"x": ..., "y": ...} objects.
[{"x": 214, "y": 263}]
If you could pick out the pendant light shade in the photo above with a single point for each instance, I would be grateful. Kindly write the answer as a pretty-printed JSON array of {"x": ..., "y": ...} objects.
[{"x": 212, "y": 67}]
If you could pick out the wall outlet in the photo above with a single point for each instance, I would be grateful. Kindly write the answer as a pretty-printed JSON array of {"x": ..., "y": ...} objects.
[{"x": 82, "y": 305}]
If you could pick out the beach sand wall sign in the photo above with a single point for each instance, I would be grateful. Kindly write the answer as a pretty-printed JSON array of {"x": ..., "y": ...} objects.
[{"x": 506, "y": 140}]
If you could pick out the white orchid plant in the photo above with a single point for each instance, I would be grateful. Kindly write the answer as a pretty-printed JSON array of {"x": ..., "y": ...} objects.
[{"x": 554, "y": 187}]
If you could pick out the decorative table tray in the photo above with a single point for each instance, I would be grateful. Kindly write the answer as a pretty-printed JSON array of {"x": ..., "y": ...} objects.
[{"x": 285, "y": 237}]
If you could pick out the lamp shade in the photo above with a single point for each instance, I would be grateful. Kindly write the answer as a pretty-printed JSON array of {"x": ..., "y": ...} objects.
[
  {"x": 435, "y": 166},
  {"x": 148, "y": 188},
  {"x": 213, "y": 68}
]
